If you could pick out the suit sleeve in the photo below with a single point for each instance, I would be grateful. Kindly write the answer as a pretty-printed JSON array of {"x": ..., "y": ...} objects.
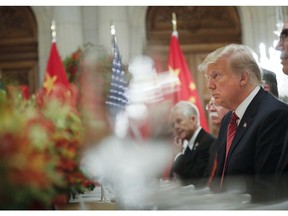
[
  {"x": 269, "y": 144},
  {"x": 186, "y": 168},
  {"x": 179, "y": 165},
  {"x": 198, "y": 170}
]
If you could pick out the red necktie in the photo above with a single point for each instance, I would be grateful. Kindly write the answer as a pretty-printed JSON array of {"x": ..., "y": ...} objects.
[
  {"x": 231, "y": 131},
  {"x": 230, "y": 135}
]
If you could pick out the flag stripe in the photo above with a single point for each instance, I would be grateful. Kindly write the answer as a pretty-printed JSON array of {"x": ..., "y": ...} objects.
[{"x": 117, "y": 99}]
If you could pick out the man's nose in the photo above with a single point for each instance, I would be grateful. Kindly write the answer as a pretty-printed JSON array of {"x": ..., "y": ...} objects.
[
  {"x": 279, "y": 45},
  {"x": 212, "y": 108},
  {"x": 210, "y": 84}
]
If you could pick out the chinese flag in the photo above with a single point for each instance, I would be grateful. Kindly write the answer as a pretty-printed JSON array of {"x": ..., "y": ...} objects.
[
  {"x": 187, "y": 87},
  {"x": 55, "y": 72}
]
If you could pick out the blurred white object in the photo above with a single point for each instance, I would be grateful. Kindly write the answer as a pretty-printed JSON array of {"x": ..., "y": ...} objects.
[
  {"x": 121, "y": 124},
  {"x": 169, "y": 82},
  {"x": 146, "y": 85},
  {"x": 126, "y": 168},
  {"x": 137, "y": 111},
  {"x": 142, "y": 68}
]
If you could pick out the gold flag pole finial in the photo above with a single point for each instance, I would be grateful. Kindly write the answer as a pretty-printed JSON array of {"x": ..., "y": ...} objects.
[
  {"x": 113, "y": 32},
  {"x": 113, "y": 29},
  {"x": 53, "y": 29},
  {"x": 174, "y": 22}
]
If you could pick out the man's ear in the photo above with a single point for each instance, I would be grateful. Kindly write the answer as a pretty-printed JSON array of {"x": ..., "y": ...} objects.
[
  {"x": 244, "y": 78},
  {"x": 193, "y": 118},
  {"x": 266, "y": 87}
]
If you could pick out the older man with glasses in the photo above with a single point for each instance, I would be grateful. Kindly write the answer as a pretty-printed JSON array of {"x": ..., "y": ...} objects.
[
  {"x": 216, "y": 114},
  {"x": 282, "y": 46},
  {"x": 282, "y": 166}
]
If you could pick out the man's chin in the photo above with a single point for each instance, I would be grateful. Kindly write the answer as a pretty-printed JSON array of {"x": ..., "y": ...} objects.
[
  {"x": 216, "y": 122},
  {"x": 285, "y": 70}
]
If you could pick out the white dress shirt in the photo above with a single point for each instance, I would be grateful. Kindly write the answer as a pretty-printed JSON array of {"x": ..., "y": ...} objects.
[
  {"x": 243, "y": 106},
  {"x": 189, "y": 144}
]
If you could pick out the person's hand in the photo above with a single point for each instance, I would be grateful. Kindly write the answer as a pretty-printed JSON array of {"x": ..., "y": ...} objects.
[{"x": 177, "y": 145}]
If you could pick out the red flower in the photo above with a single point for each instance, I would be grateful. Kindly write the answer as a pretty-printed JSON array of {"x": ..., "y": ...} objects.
[
  {"x": 71, "y": 64},
  {"x": 8, "y": 144},
  {"x": 42, "y": 122}
]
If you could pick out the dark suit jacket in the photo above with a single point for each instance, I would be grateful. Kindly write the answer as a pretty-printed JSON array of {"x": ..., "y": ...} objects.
[
  {"x": 255, "y": 150},
  {"x": 191, "y": 166},
  {"x": 212, "y": 154},
  {"x": 282, "y": 172}
]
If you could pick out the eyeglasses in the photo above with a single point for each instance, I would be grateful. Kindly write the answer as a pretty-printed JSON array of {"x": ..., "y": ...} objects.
[{"x": 283, "y": 35}]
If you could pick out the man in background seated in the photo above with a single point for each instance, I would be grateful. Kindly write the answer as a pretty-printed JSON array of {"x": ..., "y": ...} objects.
[
  {"x": 282, "y": 46},
  {"x": 282, "y": 166},
  {"x": 192, "y": 144},
  {"x": 216, "y": 113},
  {"x": 270, "y": 82}
]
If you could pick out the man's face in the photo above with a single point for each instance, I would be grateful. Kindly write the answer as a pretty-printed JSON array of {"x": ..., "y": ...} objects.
[
  {"x": 282, "y": 46},
  {"x": 224, "y": 85},
  {"x": 183, "y": 126},
  {"x": 216, "y": 113}
]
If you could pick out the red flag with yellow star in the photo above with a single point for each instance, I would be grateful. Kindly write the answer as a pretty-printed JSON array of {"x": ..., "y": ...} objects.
[
  {"x": 187, "y": 87},
  {"x": 55, "y": 71}
]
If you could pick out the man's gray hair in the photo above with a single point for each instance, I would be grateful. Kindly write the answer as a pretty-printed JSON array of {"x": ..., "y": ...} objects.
[{"x": 188, "y": 109}]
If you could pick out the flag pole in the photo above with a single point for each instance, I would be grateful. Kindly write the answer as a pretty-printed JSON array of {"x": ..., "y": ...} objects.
[
  {"x": 53, "y": 29},
  {"x": 174, "y": 24},
  {"x": 174, "y": 21},
  {"x": 113, "y": 29},
  {"x": 113, "y": 32}
]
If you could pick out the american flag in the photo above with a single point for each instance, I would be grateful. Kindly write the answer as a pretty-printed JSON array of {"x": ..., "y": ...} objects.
[{"x": 117, "y": 99}]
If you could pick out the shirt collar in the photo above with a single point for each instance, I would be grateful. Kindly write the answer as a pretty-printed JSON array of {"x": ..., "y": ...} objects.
[
  {"x": 192, "y": 140},
  {"x": 243, "y": 106}
]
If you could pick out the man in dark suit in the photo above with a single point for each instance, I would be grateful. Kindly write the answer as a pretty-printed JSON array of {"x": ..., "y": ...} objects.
[
  {"x": 282, "y": 46},
  {"x": 192, "y": 144},
  {"x": 216, "y": 113},
  {"x": 247, "y": 157},
  {"x": 269, "y": 82},
  {"x": 282, "y": 167}
]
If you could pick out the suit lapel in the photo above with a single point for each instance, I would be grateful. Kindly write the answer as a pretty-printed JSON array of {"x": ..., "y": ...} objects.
[
  {"x": 198, "y": 139},
  {"x": 246, "y": 120},
  {"x": 196, "y": 143}
]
